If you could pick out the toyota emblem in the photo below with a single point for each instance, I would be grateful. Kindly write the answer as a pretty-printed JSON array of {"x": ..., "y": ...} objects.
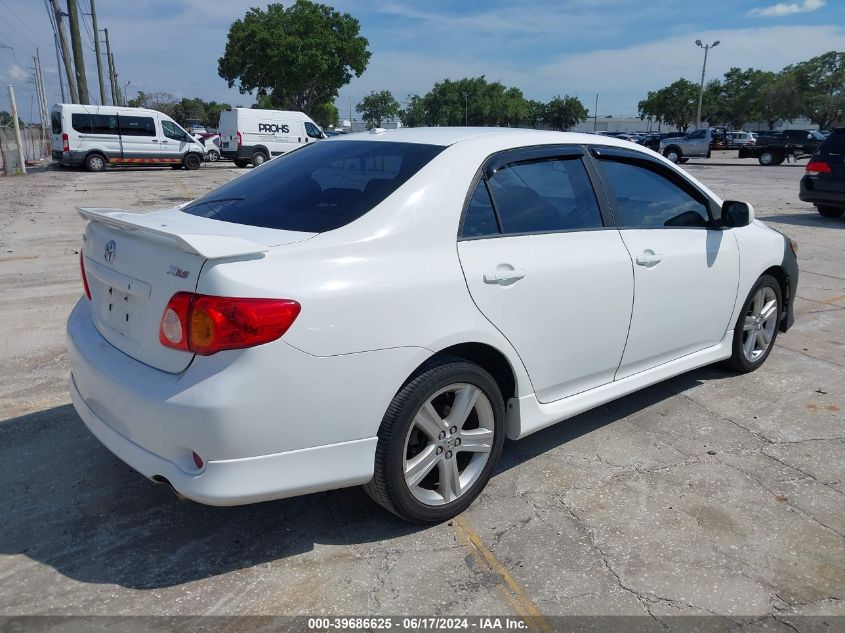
[{"x": 111, "y": 249}]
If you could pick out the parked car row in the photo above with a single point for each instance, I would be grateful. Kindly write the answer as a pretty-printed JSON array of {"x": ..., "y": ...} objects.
[{"x": 95, "y": 137}]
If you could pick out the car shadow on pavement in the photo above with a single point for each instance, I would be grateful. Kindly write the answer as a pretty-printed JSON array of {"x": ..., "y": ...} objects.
[
  {"x": 810, "y": 218},
  {"x": 70, "y": 504}
]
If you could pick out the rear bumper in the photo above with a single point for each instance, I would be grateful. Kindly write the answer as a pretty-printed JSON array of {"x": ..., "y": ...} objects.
[
  {"x": 810, "y": 193},
  {"x": 241, "y": 481},
  {"x": 244, "y": 152},
  {"x": 69, "y": 159},
  {"x": 269, "y": 422}
]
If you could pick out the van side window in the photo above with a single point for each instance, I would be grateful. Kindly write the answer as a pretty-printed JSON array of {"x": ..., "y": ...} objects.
[
  {"x": 171, "y": 130},
  {"x": 137, "y": 126},
  {"x": 81, "y": 122},
  {"x": 312, "y": 130},
  {"x": 104, "y": 123}
]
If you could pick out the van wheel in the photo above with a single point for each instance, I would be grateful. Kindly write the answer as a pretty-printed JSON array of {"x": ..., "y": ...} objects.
[
  {"x": 241, "y": 163},
  {"x": 95, "y": 162},
  {"x": 683, "y": 160},
  {"x": 438, "y": 442},
  {"x": 258, "y": 158},
  {"x": 191, "y": 162}
]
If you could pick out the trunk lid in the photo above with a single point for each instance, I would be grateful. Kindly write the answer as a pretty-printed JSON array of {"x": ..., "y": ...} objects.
[{"x": 135, "y": 263}]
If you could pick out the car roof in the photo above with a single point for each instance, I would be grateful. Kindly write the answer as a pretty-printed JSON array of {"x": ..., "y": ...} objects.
[{"x": 446, "y": 136}]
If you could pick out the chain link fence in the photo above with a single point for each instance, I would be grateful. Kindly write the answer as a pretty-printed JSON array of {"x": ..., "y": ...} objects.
[{"x": 35, "y": 142}]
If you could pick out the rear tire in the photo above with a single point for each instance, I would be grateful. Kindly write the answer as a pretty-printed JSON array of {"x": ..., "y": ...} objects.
[
  {"x": 757, "y": 326},
  {"x": 258, "y": 158},
  {"x": 241, "y": 163},
  {"x": 766, "y": 159},
  {"x": 830, "y": 212},
  {"x": 192, "y": 162},
  {"x": 683, "y": 160},
  {"x": 432, "y": 461},
  {"x": 95, "y": 162}
]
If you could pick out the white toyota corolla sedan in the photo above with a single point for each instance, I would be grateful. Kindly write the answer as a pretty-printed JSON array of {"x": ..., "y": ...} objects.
[{"x": 385, "y": 308}]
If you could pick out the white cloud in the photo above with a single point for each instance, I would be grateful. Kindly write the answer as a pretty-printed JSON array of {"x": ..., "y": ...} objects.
[
  {"x": 621, "y": 76},
  {"x": 788, "y": 8},
  {"x": 16, "y": 72}
]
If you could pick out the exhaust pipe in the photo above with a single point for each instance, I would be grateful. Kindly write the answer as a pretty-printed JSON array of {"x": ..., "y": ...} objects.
[{"x": 163, "y": 481}]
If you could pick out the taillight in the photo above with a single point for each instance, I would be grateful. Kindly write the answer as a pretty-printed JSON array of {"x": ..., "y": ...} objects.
[
  {"x": 206, "y": 325},
  {"x": 240, "y": 139},
  {"x": 816, "y": 167},
  {"x": 84, "y": 276},
  {"x": 65, "y": 142}
]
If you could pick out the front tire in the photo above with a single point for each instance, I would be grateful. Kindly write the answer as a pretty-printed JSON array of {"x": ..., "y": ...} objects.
[
  {"x": 673, "y": 154},
  {"x": 192, "y": 162},
  {"x": 830, "y": 212},
  {"x": 757, "y": 327},
  {"x": 766, "y": 159},
  {"x": 438, "y": 442}
]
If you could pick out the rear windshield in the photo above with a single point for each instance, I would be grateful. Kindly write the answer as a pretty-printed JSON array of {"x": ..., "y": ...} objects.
[
  {"x": 834, "y": 144},
  {"x": 317, "y": 188}
]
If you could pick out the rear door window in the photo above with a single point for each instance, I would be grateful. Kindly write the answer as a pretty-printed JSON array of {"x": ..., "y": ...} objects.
[
  {"x": 545, "y": 195},
  {"x": 317, "y": 188},
  {"x": 56, "y": 122}
]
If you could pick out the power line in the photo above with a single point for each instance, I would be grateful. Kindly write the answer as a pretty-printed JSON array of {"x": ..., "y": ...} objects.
[{"x": 25, "y": 25}]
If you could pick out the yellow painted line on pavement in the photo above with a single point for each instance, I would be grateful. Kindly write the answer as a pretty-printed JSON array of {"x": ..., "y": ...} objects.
[
  {"x": 184, "y": 188},
  {"x": 513, "y": 592}
]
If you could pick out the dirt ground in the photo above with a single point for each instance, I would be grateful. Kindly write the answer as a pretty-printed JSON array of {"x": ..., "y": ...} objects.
[{"x": 711, "y": 493}]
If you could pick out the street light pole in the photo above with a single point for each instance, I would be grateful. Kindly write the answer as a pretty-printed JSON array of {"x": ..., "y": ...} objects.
[
  {"x": 706, "y": 48},
  {"x": 466, "y": 109}
]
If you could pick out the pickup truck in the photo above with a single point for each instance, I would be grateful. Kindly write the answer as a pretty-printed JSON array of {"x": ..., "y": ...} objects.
[
  {"x": 697, "y": 144},
  {"x": 773, "y": 150}
]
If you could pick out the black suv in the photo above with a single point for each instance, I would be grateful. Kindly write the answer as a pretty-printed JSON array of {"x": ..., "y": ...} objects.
[{"x": 824, "y": 182}]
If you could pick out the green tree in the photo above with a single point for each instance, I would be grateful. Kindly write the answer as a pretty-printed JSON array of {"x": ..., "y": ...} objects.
[
  {"x": 377, "y": 106},
  {"x": 326, "y": 114},
  {"x": 561, "y": 113},
  {"x": 299, "y": 56},
  {"x": 779, "y": 99},
  {"x": 675, "y": 105},
  {"x": 821, "y": 83},
  {"x": 414, "y": 114},
  {"x": 735, "y": 98}
]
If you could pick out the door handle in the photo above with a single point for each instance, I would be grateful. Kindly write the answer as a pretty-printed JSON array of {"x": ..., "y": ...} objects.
[
  {"x": 504, "y": 276},
  {"x": 154, "y": 140},
  {"x": 649, "y": 259}
]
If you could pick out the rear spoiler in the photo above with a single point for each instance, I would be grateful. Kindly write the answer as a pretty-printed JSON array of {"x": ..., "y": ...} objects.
[{"x": 205, "y": 245}]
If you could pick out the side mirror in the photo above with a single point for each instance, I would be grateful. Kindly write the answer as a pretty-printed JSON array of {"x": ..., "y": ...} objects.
[{"x": 737, "y": 214}]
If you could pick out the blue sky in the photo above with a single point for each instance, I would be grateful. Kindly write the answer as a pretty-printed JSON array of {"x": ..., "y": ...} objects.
[{"x": 619, "y": 49}]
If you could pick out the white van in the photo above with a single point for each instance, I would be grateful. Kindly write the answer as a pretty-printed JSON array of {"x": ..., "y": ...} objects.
[
  {"x": 97, "y": 136},
  {"x": 248, "y": 135}
]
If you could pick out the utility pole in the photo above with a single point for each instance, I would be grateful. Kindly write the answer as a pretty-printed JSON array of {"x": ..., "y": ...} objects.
[
  {"x": 17, "y": 129},
  {"x": 42, "y": 101},
  {"x": 596, "y": 113},
  {"x": 97, "y": 53},
  {"x": 110, "y": 60},
  {"x": 78, "y": 58},
  {"x": 706, "y": 48},
  {"x": 466, "y": 109},
  {"x": 60, "y": 27},
  {"x": 59, "y": 68}
]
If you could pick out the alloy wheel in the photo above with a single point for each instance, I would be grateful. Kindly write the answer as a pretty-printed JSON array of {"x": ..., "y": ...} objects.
[
  {"x": 760, "y": 323},
  {"x": 448, "y": 444}
]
